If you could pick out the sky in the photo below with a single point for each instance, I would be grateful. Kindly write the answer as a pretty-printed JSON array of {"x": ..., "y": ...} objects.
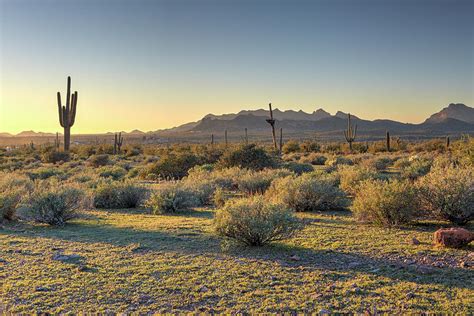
[{"x": 150, "y": 65}]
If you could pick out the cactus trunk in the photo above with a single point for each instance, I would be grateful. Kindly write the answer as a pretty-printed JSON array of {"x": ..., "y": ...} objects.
[
  {"x": 67, "y": 113},
  {"x": 271, "y": 121},
  {"x": 388, "y": 141}
]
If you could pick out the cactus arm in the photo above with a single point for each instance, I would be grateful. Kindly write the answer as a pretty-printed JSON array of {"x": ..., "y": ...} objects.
[
  {"x": 68, "y": 96},
  {"x": 72, "y": 113},
  {"x": 61, "y": 121}
]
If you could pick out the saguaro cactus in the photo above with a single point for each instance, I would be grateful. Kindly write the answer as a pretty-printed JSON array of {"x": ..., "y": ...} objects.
[
  {"x": 56, "y": 141},
  {"x": 447, "y": 142},
  {"x": 271, "y": 121},
  {"x": 212, "y": 139},
  {"x": 350, "y": 133},
  {"x": 118, "y": 141},
  {"x": 246, "y": 137},
  {"x": 387, "y": 140},
  {"x": 281, "y": 140},
  {"x": 67, "y": 113},
  {"x": 225, "y": 136}
]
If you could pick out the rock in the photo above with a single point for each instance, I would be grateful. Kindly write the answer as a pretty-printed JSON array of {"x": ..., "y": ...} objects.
[
  {"x": 65, "y": 258},
  {"x": 464, "y": 264},
  {"x": 415, "y": 241},
  {"x": 42, "y": 289},
  {"x": 324, "y": 312},
  {"x": 295, "y": 258},
  {"x": 410, "y": 295},
  {"x": 453, "y": 237},
  {"x": 203, "y": 289}
]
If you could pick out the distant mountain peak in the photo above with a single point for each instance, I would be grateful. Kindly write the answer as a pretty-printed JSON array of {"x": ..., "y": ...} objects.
[{"x": 458, "y": 111}]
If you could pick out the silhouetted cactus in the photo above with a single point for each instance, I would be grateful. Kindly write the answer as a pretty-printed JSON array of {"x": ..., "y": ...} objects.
[
  {"x": 246, "y": 137},
  {"x": 271, "y": 121},
  {"x": 350, "y": 133},
  {"x": 281, "y": 140},
  {"x": 67, "y": 113},
  {"x": 118, "y": 141},
  {"x": 212, "y": 139},
  {"x": 225, "y": 136},
  {"x": 56, "y": 141},
  {"x": 447, "y": 142},
  {"x": 387, "y": 140}
]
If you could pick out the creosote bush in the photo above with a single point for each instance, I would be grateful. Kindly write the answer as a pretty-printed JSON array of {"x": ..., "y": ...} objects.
[
  {"x": 98, "y": 160},
  {"x": 255, "y": 222},
  {"x": 53, "y": 203},
  {"x": 309, "y": 192},
  {"x": 448, "y": 193},
  {"x": 247, "y": 157},
  {"x": 352, "y": 176},
  {"x": 172, "y": 165},
  {"x": 9, "y": 201},
  {"x": 385, "y": 203},
  {"x": 171, "y": 198},
  {"x": 119, "y": 195}
]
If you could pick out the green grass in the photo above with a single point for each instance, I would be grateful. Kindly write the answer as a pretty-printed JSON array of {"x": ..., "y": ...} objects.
[{"x": 130, "y": 261}]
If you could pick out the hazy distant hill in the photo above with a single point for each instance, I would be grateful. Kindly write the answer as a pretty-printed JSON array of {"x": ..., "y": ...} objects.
[
  {"x": 448, "y": 120},
  {"x": 455, "y": 118},
  {"x": 456, "y": 111}
]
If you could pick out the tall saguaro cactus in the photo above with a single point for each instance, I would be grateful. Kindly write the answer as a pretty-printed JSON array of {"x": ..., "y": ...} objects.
[
  {"x": 118, "y": 141},
  {"x": 271, "y": 121},
  {"x": 281, "y": 140},
  {"x": 67, "y": 113},
  {"x": 350, "y": 133}
]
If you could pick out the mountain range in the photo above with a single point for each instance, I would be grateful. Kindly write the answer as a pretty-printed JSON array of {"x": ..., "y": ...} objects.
[
  {"x": 453, "y": 118},
  {"x": 456, "y": 117}
]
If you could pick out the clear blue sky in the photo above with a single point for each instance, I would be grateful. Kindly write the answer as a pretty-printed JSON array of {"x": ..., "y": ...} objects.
[{"x": 156, "y": 64}]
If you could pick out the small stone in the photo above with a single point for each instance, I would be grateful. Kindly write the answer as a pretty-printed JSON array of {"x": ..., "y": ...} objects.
[
  {"x": 203, "y": 289},
  {"x": 42, "y": 289},
  {"x": 324, "y": 312},
  {"x": 410, "y": 295},
  {"x": 415, "y": 241},
  {"x": 295, "y": 258},
  {"x": 464, "y": 264}
]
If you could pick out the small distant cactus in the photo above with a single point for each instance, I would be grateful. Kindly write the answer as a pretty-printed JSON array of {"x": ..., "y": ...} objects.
[
  {"x": 226, "y": 141},
  {"x": 281, "y": 140},
  {"x": 388, "y": 140},
  {"x": 271, "y": 121},
  {"x": 447, "y": 142},
  {"x": 118, "y": 141},
  {"x": 67, "y": 113},
  {"x": 350, "y": 133},
  {"x": 56, "y": 141},
  {"x": 246, "y": 137}
]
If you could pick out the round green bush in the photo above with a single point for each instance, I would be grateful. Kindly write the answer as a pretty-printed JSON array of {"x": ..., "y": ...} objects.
[
  {"x": 385, "y": 203},
  {"x": 255, "y": 222},
  {"x": 448, "y": 193}
]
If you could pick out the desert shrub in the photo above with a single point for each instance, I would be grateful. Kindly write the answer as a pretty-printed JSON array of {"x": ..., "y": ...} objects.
[
  {"x": 402, "y": 163},
  {"x": 418, "y": 167},
  {"x": 298, "y": 168},
  {"x": 53, "y": 204},
  {"x": 202, "y": 190},
  {"x": 46, "y": 173},
  {"x": 318, "y": 160},
  {"x": 255, "y": 222},
  {"x": 249, "y": 157},
  {"x": 170, "y": 198},
  {"x": 291, "y": 147},
  {"x": 310, "y": 146},
  {"x": 54, "y": 156},
  {"x": 385, "y": 203},
  {"x": 9, "y": 201},
  {"x": 380, "y": 163},
  {"x": 339, "y": 160},
  {"x": 448, "y": 193},
  {"x": 98, "y": 160},
  {"x": 172, "y": 165},
  {"x": 308, "y": 192},
  {"x": 351, "y": 176},
  {"x": 119, "y": 195},
  {"x": 221, "y": 197},
  {"x": 113, "y": 172}
]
